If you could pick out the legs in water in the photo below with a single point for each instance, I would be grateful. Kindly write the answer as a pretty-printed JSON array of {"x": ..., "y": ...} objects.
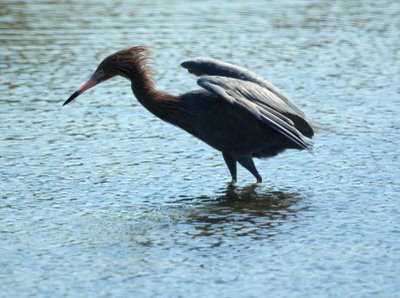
[
  {"x": 247, "y": 162},
  {"x": 231, "y": 163}
]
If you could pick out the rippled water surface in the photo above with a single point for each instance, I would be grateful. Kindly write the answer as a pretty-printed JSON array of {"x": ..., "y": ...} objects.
[{"x": 100, "y": 198}]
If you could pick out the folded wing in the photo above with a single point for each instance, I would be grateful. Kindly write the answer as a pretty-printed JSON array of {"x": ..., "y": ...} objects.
[{"x": 261, "y": 102}]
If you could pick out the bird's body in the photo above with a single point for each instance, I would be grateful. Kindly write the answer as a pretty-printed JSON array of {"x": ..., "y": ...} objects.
[
  {"x": 226, "y": 127},
  {"x": 236, "y": 112}
]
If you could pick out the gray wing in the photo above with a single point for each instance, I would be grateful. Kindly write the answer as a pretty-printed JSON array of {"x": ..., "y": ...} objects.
[
  {"x": 260, "y": 102},
  {"x": 214, "y": 67}
]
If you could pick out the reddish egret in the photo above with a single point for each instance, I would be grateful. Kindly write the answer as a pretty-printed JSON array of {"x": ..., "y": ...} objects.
[{"x": 236, "y": 111}]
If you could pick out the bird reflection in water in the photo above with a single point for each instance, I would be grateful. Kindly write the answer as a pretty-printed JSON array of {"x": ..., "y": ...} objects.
[{"x": 249, "y": 211}]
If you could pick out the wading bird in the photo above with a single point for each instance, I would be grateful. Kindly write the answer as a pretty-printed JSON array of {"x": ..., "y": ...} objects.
[{"x": 236, "y": 111}]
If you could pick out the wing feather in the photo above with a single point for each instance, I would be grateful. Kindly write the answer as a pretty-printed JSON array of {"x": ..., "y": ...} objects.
[
  {"x": 260, "y": 102},
  {"x": 214, "y": 67}
]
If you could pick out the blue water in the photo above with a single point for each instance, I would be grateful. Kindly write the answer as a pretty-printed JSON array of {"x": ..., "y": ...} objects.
[{"x": 100, "y": 198}]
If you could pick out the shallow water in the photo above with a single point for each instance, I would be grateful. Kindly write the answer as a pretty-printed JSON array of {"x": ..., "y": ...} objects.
[{"x": 100, "y": 198}]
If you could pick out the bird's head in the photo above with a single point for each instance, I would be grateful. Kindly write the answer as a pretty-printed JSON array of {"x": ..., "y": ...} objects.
[{"x": 123, "y": 63}]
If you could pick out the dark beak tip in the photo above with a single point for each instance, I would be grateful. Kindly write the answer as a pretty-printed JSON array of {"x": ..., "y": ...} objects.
[{"x": 71, "y": 98}]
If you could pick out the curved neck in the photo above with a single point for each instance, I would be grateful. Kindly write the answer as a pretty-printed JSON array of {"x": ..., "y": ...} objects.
[
  {"x": 153, "y": 100},
  {"x": 165, "y": 106}
]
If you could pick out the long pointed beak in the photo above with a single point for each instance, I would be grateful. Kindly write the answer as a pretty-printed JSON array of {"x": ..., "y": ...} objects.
[{"x": 89, "y": 84}]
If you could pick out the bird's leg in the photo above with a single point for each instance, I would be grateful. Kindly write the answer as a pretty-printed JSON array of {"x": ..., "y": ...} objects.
[
  {"x": 231, "y": 163},
  {"x": 247, "y": 162}
]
